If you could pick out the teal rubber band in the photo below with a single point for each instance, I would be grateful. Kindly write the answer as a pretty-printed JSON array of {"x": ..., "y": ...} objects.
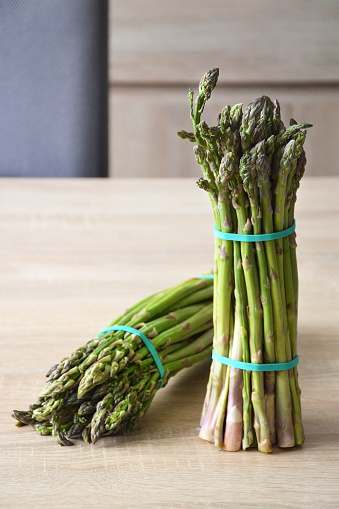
[
  {"x": 248, "y": 366},
  {"x": 146, "y": 341},
  {"x": 206, "y": 276},
  {"x": 255, "y": 237}
]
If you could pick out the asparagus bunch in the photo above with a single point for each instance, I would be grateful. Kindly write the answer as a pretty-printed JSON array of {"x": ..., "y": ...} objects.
[
  {"x": 107, "y": 385},
  {"x": 251, "y": 166}
]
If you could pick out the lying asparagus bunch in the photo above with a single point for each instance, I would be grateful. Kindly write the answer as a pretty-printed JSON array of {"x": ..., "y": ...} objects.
[
  {"x": 107, "y": 385},
  {"x": 251, "y": 168}
]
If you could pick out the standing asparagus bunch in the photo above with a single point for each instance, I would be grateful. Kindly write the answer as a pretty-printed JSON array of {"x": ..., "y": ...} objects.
[
  {"x": 251, "y": 166},
  {"x": 107, "y": 385}
]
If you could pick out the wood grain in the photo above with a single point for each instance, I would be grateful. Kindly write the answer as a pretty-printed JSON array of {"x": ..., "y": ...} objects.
[
  {"x": 74, "y": 254},
  {"x": 261, "y": 41},
  {"x": 144, "y": 123}
]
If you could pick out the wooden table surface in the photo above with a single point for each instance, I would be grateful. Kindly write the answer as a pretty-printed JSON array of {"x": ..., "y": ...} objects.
[{"x": 74, "y": 254}]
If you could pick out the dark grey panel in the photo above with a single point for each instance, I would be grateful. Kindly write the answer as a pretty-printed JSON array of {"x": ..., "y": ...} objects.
[{"x": 53, "y": 88}]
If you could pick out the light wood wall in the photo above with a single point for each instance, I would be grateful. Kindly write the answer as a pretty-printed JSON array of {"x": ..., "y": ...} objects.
[{"x": 284, "y": 49}]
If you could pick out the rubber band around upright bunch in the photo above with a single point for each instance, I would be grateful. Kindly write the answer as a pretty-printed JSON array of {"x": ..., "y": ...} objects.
[
  {"x": 261, "y": 237},
  {"x": 249, "y": 366}
]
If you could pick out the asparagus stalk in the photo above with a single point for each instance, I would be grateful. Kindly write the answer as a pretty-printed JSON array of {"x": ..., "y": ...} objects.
[
  {"x": 241, "y": 316},
  {"x": 248, "y": 172},
  {"x": 254, "y": 312}
]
